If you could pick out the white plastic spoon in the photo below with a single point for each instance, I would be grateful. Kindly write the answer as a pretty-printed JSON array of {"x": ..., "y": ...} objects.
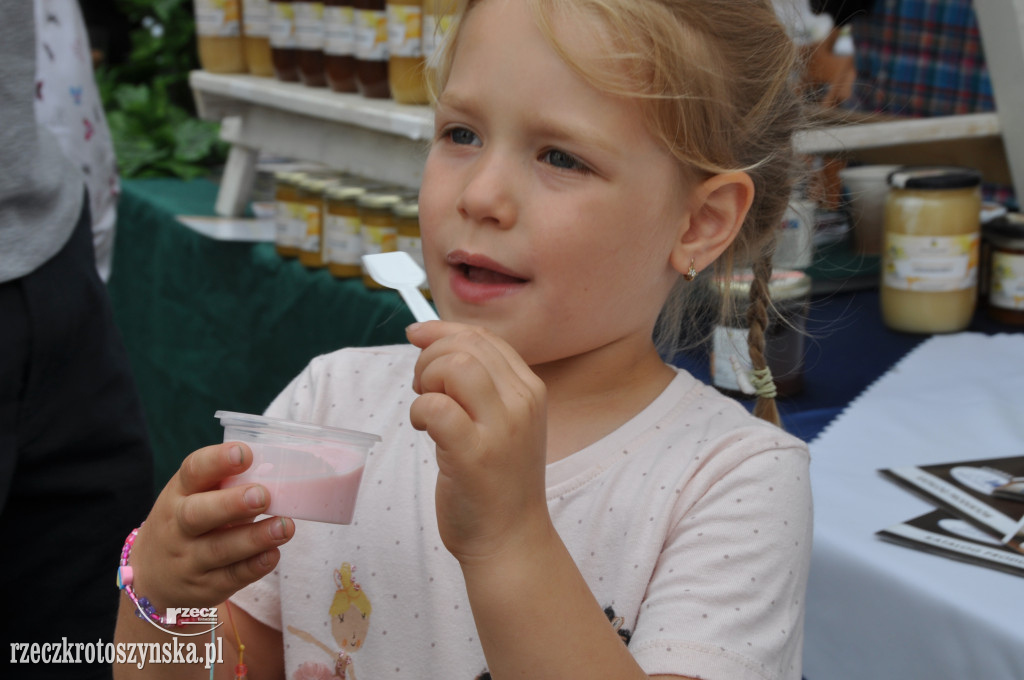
[{"x": 399, "y": 271}]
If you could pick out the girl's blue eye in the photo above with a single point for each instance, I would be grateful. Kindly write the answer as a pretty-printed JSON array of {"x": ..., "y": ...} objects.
[
  {"x": 561, "y": 159},
  {"x": 462, "y": 136}
]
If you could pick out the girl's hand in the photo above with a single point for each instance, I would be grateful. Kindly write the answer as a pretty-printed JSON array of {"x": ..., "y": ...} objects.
[
  {"x": 199, "y": 544},
  {"x": 486, "y": 412}
]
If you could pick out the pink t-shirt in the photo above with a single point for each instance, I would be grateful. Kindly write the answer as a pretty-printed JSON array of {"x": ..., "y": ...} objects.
[{"x": 691, "y": 524}]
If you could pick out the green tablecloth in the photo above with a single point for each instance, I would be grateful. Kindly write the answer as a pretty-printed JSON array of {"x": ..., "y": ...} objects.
[{"x": 222, "y": 325}]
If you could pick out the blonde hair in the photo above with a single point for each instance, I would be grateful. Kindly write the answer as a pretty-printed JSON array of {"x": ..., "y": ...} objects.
[
  {"x": 349, "y": 593},
  {"x": 716, "y": 80}
]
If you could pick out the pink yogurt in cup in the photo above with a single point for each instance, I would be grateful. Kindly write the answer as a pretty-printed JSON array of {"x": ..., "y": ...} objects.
[{"x": 310, "y": 471}]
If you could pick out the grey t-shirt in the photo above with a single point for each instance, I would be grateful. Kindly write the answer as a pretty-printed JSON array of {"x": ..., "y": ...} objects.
[{"x": 40, "y": 189}]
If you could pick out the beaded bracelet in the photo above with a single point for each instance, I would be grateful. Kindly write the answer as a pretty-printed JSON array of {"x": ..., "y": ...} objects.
[{"x": 143, "y": 608}]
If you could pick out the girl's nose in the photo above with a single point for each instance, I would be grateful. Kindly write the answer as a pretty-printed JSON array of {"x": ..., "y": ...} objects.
[{"x": 488, "y": 196}]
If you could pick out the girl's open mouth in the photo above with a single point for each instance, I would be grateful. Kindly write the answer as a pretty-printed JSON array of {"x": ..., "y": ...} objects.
[{"x": 477, "y": 278}]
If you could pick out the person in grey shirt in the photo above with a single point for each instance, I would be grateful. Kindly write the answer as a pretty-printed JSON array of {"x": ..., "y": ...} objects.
[{"x": 75, "y": 462}]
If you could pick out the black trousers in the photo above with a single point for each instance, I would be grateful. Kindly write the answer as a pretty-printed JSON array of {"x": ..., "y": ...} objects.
[{"x": 76, "y": 471}]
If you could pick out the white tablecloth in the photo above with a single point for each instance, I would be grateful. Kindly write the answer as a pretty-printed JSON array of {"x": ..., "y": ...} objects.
[{"x": 878, "y": 610}]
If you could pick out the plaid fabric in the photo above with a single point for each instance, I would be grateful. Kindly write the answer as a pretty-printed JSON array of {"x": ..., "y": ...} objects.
[{"x": 920, "y": 58}]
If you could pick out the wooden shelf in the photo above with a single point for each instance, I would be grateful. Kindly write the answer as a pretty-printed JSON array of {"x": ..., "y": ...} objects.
[{"x": 373, "y": 138}]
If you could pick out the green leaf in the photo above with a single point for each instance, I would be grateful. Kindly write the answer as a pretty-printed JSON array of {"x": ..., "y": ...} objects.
[{"x": 193, "y": 140}]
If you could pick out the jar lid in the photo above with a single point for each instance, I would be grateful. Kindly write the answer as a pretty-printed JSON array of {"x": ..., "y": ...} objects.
[
  {"x": 378, "y": 200},
  {"x": 344, "y": 192},
  {"x": 785, "y": 284},
  {"x": 407, "y": 209},
  {"x": 317, "y": 185},
  {"x": 934, "y": 177},
  {"x": 1006, "y": 231}
]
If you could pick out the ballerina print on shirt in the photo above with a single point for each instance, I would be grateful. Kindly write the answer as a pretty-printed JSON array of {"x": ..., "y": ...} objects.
[{"x": 350, "y": 621}]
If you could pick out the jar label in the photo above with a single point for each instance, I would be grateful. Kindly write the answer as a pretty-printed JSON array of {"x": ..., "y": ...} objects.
[
  {"x": 1007, "y": 286},
  {"x": 413, "y": 245},
  {"x": 218, "y": 18},
  {"x": 371, "y": 35},
  {"x": 930, "y": 263},
  {"x": 344, "y": 239},
  {"x": 282, "y": 26},
  {"x": 379, "y": 239},
  {"x": 290, "y": 223},
  {"x": 435, "y": 29},
  {"x": 405, "y": 28},
  {"x": 309, "y": 25},
  {"x": 730, "y": 359},
  {"x": 256, "y": 16},
  {"x": 339, "y": 38},
  {"x": 311, "y": 224}
]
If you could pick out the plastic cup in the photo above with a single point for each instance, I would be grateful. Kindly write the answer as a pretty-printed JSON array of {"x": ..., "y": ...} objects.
[
  {"x": 311, "y": 471},
  {"x": 865, "y": 188}
]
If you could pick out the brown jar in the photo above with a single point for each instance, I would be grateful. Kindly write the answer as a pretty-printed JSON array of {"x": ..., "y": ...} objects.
[
  {"x": 1004, "y": 268},
  {"x": 283, "y": 49},
  {"x": 256, "y": 36},
  {"x": 309, "y": 40},
  {"x": 339, "y": 45},
  {"x": 371, "y": 48},
  {"x": 342, "y": 229},
  {"x": 377, "y": 226},
  {"x": 784, "y": 338},
  {"x": 406, "y": 67},
  {"x": 219, "y": 36}
]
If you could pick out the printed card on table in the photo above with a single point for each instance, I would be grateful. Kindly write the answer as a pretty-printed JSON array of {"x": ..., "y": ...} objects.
[{"x": 987, "y": 493}]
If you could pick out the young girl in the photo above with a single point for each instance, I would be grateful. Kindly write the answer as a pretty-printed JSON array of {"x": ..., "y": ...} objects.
[{"x": 541, "y": 465}]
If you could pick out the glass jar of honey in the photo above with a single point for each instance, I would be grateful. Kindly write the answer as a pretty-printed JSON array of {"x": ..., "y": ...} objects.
[
  {"x": 310, "y": 34},
  {"x": 342, "y": 229},
  {"x": 731, "y": 366},
  {"x": 371, "y": 48},
  {"x": 283, "y": 46},
  {"x": 339, "y": 45},
  {"x": 931, "y": 249},
  {"x": 312, "y": 245},
  {"x": 1004, "y": 268},
  {"x": 377, "y": 225},
  {"x": 406, "y": 67},
  {"x": 219, "y": 36},
  {"x": 256, "y": 36},
  {"x": 286, "y": 210},
  {"x": 407, "y": 225}
]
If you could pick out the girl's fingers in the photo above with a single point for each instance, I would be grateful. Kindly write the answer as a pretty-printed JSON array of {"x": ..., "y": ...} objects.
[
  {"x": 230, "y": 548},
  {"x": 206, "y": 468},
  {"x": 202, "y": 512}
]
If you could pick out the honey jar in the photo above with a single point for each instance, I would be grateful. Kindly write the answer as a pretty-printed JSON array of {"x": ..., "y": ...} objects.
[
  {"x": 311, "y": 242},
  {"x": 283, "y": 47},
  {"x": 286, "y": 209},
  {"x": 371, "y": 48},
  {"x": 1004, "y": 268},
  {"x": 219, "y": 36},
  {"x": 342, "y": 229},
  {"x": 256, "y": 36},
  {"x": 309, "y": 42},
  {"x": 407, "y": 224},
  {"x": 436, "y": 22},
  {"x": 406, "y": 74},
  {"x": 377, "y": 226},
  {"x": 339, "y": 45},
  {"x": 731, "y": 366},
  {"x": 931, "y": 249}
]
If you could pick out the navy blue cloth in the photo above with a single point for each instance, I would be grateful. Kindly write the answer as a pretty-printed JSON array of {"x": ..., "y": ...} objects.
[{"x": 847, "y": 348}]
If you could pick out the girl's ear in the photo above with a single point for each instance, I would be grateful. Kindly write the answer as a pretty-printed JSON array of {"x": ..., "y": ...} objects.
[{"x": 718, "y": 208}]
